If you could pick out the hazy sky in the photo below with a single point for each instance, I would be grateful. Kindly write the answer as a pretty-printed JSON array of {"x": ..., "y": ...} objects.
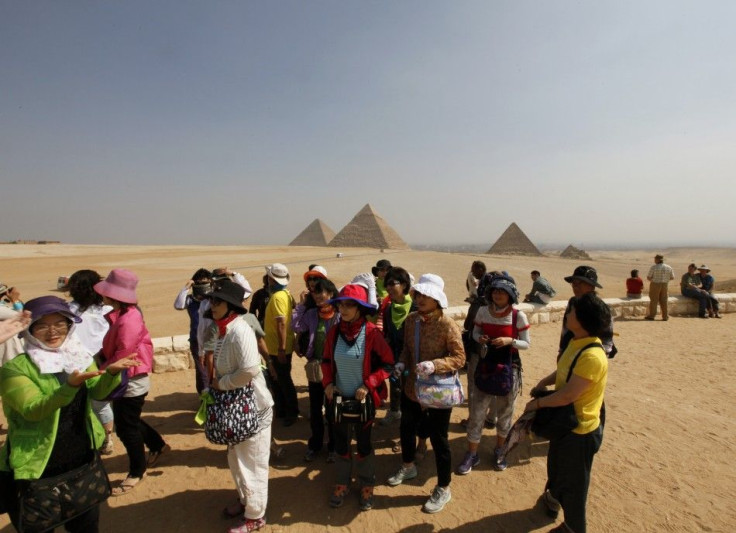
[{"x": 190, "y": 122}]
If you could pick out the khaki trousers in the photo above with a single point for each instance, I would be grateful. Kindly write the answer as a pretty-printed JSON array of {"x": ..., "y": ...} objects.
[{"x": 658, "y": 294}]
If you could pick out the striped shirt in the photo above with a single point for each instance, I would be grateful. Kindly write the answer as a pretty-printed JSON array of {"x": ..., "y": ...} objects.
[{"x": 349, "y": 363}]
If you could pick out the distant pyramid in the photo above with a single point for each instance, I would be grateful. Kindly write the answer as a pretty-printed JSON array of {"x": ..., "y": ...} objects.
[
  {"x": 368, "y": 229},
  {"x": 316, "y": 234},
  {"x": 575, "y": 253},
  {"x": 513, "y": 241}
]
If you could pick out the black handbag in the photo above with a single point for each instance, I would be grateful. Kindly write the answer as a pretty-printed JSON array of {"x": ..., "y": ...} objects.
[
  {"x": 49, "y": 502},
  {"x": 555, "y": 422}
]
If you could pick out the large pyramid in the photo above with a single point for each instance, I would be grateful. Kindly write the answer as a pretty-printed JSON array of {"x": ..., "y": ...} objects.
[
  {"x": 316, "y": 234},
  {"x": 368, "y": 229},
  {"x": 513, "y": 241}
]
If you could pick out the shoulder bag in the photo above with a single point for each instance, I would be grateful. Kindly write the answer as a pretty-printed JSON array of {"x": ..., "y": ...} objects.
[
  {"x": 437, "y": 391},
  {"x": 554, "y": 422},
  {"x": 232, "y": 417}
]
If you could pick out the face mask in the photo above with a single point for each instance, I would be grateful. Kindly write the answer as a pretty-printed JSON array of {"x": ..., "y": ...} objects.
[{"x": 200, "y": 289}]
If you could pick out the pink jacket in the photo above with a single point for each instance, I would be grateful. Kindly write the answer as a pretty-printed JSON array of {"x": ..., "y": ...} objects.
[{"x": 128, "y": 334}]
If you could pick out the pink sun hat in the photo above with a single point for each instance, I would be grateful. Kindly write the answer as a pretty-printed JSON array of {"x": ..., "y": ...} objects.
[{"x": 119, "y": 285}]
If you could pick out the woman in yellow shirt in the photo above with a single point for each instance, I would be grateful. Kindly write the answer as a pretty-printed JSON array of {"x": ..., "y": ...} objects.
[{"x": 570, "y": 456}]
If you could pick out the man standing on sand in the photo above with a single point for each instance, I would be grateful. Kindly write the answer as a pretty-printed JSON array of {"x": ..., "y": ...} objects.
[
  {"x": 659, "y": 277},
  {"x": 583, "y": 280},
  {"x": 280, "y": 342}
]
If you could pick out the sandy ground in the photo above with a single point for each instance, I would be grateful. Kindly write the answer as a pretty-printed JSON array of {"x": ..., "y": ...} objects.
[{"x": 666, "y": 464}]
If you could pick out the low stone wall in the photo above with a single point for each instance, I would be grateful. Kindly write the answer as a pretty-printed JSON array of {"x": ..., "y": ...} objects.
[{"x": 172, "y": 353}]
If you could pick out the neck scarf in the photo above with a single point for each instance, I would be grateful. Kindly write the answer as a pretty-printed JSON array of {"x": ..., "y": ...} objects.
[
  {"x": 428, "y": 317},
  {"x": 399, "y": 312},
  {"x": 499, "y": 313},
  {"x": 351, "y": 330},
  {"x": 68, "y": 357},
  {"x": 224, "y": 321},
  {"x": 326, "y": 312}
]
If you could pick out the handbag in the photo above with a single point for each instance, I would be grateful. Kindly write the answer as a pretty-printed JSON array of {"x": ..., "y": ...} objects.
[
  {"x": 313, "y": 370},
  {"x": 437, "y": 391},
  {"x": 494, "y": 374},
  {"x": 49, "y": 502},
  {"x": 555, "y": 422},
  {"x": 352, "y": 410},
  {"x": 232, "y": 417}
]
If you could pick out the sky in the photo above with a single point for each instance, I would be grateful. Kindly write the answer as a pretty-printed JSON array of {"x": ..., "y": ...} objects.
[{"x": 234, "y": 122}]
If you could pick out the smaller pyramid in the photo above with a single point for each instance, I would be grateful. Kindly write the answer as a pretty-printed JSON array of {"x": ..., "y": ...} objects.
[
  {"x": 368, "y": 229},
  {"x": 513, "y": 241},
  {"x": 575, "y": 253},
  {"x": 316, "y": 234}
]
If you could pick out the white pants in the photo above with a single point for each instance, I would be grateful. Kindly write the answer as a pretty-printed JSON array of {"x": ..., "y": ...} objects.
[{"x": 248, "y": 463}]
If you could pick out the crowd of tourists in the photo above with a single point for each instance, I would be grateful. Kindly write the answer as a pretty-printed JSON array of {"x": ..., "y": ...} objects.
[{"x": 76, "y": 373}]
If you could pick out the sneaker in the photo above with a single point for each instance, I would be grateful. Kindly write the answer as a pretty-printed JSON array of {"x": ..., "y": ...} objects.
[
  {"x": 551, "y": 505},
  {"x": 499, "y": 460},
  {"x": 107, "y": 445},
  {"x": 338, "y": 496},
  {"x": 437, "y": 500},
  {"x": 402, "y": 474},
  {"x": 471, "y": 460},
  {"x": 331, "y": 457},
  {"x": 249, "y": 525},
  {"x": 310, "y": 455},
  {"x": 390, "y": 418},
  {"x": 366, "y": 498}
]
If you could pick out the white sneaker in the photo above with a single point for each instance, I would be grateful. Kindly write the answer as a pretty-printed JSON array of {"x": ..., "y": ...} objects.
[
  {"x": 402, "y": 474},
  {"x": 437, "y": 500}
]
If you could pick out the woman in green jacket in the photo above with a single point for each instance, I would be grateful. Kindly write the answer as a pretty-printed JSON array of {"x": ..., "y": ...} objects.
[{"x": 47, "y": 393}]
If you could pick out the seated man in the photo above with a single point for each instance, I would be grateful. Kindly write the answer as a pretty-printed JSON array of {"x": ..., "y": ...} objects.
[
  {"x": 707, "y": 284},
  {"x": 542, "y": 292},
  {"x": 691, "y": 286}
]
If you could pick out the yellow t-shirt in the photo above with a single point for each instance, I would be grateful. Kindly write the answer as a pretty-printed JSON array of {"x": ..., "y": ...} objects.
[
  {"x": 280, "y": 304},
  {"x": 592, "y": 365}
]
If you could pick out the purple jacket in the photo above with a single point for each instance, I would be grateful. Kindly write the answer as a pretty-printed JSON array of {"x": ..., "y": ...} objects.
[{"x": 303, "y": 319}]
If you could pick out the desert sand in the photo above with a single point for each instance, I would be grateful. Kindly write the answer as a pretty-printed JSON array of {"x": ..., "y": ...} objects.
[{"x": 666, "y": 464}]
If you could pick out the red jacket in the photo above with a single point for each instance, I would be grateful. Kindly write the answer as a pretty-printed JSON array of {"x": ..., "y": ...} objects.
[{"x": 377, "y": 363}]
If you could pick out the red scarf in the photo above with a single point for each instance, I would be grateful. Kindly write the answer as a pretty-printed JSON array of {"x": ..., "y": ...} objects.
[
  {"x": 223, "y": 322},
  {"x": 351, "y": 330},
  {"x": 326, "y": 312}
]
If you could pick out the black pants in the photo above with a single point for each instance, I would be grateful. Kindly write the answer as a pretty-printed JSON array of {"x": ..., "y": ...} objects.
[
  {"x": 569, "y": 461},
  {"x": 199, "y": 369},
  {"x": 316, "y": 421},
  {"x": 437, "y": 422},
  {"x": 134, "y": 433},
  {"x": 284, "y": 392}
]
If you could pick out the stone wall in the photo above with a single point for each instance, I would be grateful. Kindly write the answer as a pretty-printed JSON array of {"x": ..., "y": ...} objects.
[{"x": 172, "y": 353}]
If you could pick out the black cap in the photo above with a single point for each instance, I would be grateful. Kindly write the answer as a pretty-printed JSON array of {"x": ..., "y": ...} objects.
[
  {"x": 586, "y": 274},
  {"x": 383, "y": 264}
]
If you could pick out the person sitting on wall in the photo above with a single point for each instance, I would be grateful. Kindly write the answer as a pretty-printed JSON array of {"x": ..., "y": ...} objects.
[
  {"x": 691, "y": 286},
  {"x": 707, "y": 284},
  {"x": 542, "y": 292},
  {"x": 634, "y": 285}
]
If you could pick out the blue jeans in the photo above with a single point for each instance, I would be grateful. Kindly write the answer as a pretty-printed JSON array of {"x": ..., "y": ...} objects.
[{"x": 702, "y": 297}]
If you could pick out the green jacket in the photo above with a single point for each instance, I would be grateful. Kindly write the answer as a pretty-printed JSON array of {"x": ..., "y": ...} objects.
[{"x": 32, "y": 403}]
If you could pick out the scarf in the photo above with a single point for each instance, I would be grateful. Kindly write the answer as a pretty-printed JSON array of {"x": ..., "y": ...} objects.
[
  {"x": 427, "y": 317},
  {"x": 499, "y": 313},
  {"x": 351, "y": 330},
  {"x": 224, "y": 321},
  {"x": 326, "y": 312},
  {"x": 70, "y": 356},
  {"x": 399, "y": 312}
]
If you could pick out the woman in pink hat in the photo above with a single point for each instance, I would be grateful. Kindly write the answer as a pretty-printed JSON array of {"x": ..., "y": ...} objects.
[
  {"x": 127, "y": 335},
  {"x": 355, "y": 364}
]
